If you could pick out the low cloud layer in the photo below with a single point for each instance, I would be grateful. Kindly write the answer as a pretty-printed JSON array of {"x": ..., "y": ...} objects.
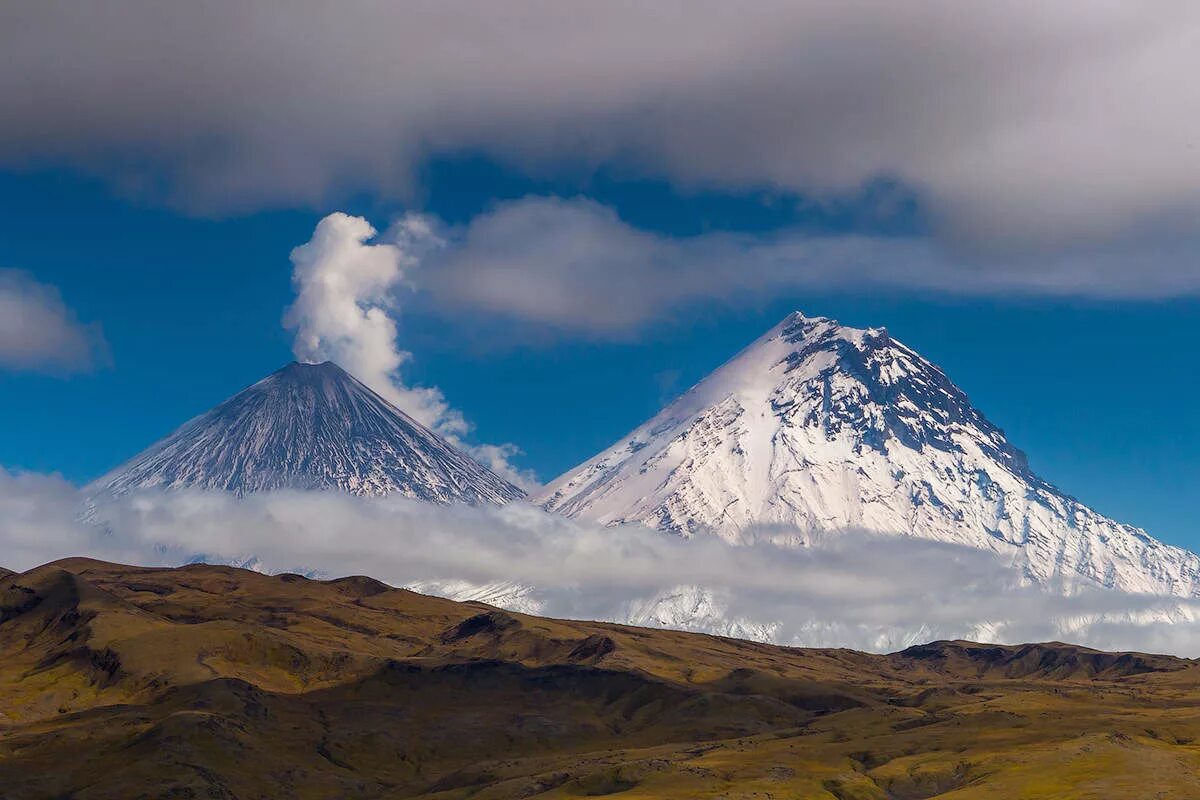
[
  {"x": 1017, "y": 122},
  {"x": 38, "y": 332},
  {"x": 574, "y": 267},
  {"x": 348, "y": 286},
  {"x": 843, "y": 590}
]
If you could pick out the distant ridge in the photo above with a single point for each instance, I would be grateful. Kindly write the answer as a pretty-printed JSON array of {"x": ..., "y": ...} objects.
[{"x": 309, "y": 426}]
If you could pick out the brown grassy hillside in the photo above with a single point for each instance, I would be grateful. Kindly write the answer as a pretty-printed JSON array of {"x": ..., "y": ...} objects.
[{"x": 212, "y": 682}]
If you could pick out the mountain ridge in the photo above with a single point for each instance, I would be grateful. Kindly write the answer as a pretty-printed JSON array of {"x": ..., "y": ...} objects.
[{"x": 820, "y": 427}]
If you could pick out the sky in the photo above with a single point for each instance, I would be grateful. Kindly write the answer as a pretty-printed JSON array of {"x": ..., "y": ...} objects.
[{"x": 583, "y": 213}]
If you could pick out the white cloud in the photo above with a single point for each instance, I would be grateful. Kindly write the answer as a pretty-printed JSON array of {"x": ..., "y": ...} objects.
[
  {"x": 573, "y": 266},
  {"x": 844, "y": 590},
  {"x": 1017, "y": 121},
  {"x": 346, "y": 302},
  {"x": 39, "y": 332}
]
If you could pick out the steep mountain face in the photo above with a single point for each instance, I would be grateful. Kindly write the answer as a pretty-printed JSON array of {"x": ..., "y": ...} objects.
[
  {"x": 309, "y": 426},
  {"x": 821, "y": 427}
]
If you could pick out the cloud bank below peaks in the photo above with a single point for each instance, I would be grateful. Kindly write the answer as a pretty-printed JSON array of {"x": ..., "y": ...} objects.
[{"x": 840, "y": 590}]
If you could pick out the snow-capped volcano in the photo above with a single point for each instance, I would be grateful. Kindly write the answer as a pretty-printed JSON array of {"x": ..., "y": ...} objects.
[
  {"x": 820, "y": 427},
  {"x": 309, "y": 426}
]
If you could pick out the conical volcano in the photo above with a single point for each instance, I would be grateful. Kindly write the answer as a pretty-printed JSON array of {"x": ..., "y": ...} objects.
[
  {"x": 821, "y": 427},
  {"x": 309, "y": 426}
]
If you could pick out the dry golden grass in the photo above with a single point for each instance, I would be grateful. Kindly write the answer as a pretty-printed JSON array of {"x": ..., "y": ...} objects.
[{"x": 124, "y": 682}]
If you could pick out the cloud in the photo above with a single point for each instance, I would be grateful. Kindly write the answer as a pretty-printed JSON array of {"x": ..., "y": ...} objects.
[
  {"x": 1018, "y": 122},
  {"x": 573, "y": 266},
  {"x": 842, "y": 590},
  {"x": 38, "y": 332},
  {"x": 346, "y": 303}
]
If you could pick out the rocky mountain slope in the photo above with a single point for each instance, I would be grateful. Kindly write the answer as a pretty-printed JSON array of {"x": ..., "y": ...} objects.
[
  {"x": 820, "y": 427},
  {"x": 205, "y": 681},
  {"x": 309, "y": 426}
]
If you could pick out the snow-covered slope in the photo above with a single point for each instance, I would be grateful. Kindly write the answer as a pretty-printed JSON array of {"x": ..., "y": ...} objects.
[
  {"x": 821, "y": 427},
  {"x": 309, "y": 426}
]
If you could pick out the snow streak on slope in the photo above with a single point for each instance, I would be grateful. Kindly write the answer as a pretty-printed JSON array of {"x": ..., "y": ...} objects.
[
  {"x": 820, "y": 427},
  {"x": 309, "y": 426}
]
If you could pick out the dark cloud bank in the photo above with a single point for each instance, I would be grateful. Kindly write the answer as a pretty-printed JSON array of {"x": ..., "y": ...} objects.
[
  {"x": 1055, "y": 149},
  {"x": 1023, "y": 117}
]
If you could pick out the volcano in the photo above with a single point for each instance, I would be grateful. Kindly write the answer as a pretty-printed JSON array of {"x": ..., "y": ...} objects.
[{"x": 309, "y": 426}]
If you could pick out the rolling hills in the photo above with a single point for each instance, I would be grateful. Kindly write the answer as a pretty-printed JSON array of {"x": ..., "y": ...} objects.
[{"x": 207, "y": 681}]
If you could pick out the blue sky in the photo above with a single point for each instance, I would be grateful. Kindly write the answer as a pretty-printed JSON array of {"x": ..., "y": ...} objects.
[
  {"x": 1099, "y": 393},
  {"x": 583, "y": 229}
]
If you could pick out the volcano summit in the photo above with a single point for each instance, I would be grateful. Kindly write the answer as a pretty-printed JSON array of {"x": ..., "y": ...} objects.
[{"x": 309, "y": 426}]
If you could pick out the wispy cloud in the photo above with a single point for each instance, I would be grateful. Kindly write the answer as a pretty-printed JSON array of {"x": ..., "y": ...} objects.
[
  {"x": 842, "y": 590},
  {"x": 575, "y": 267},
  {"x": 38, "y": 332}
]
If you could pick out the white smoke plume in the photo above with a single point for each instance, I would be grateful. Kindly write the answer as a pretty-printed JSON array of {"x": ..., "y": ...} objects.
[{"x": 347, "y": 283}]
